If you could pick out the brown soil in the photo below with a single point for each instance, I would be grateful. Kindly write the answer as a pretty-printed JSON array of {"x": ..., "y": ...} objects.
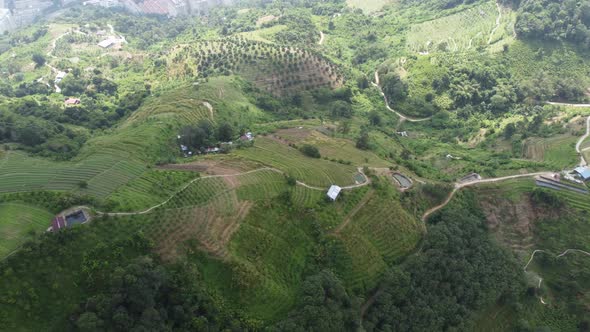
[
  {"x": 512, "y": 222},
  {"x": 211, "y": 226},
  {"x": 213, "y": 167}
]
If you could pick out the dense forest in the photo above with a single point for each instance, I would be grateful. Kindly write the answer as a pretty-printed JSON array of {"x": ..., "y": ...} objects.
[{"x": 555, "y": 20}]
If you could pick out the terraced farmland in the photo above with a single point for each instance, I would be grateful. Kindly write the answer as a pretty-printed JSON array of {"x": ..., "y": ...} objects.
[
  {"x": 462, "y": 31},
  {"x": 559, "y": 152},
  {"x": 380, "y": 232},
  {"x": 16, "y": 221},
  {"x": 333, "y": 148},
  {"x": 314, "y": 172},
  {"x": 102, "y": 172}
]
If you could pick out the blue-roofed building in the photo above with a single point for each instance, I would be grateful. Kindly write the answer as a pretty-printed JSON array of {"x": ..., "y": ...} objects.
[{"x": 583, "y": 172}]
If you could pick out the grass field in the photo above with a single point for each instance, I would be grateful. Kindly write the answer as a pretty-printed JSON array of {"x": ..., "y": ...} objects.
[{"x": 17, "y": 221}]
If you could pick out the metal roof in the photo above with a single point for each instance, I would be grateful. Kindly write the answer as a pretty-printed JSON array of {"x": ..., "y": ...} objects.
[
  {"x": 334, "y": 192},
  {"x": 584, "y": 172}
]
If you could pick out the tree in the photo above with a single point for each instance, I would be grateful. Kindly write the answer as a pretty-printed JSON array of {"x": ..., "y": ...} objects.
[
  {"x": 326, "y": 306},
  {"x": 341, "y": 109},
  {"x": 374, "y": 118},
  {"x": 363, "y": 141},
  {"x": 39, "y": 60},
  {"x": 509, "y": 131},
  {"x": 394, "y": 88},
  {"x": 225, "y": 132},
  {"x": 310, "y": 151}
]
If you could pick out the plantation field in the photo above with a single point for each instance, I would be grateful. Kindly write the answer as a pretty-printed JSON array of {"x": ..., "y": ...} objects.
[
  {"x": 103, "y": 173},
  {"x": 17, "y": 221},
  {"x": 239, "y": 220},
  {"x": 462, "y": 31},
  {"x": 278, "y": 70},
  {"x": 378, "y": 234},
  {"x": 109, "y": 161}
]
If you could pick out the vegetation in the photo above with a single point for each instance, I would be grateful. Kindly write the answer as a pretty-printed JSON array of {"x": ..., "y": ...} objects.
[{"x": 203, "y": 150}]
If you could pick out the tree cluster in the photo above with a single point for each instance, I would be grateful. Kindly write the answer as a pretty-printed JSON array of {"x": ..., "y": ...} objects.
[
  {"x": 458, "y": 272},
  {"x": 206, "y": 134},
  {"x": 565, "y": 20}
]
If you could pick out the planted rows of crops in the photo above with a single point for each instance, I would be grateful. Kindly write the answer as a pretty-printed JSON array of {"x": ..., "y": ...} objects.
[{"x": 276, "y": 69}]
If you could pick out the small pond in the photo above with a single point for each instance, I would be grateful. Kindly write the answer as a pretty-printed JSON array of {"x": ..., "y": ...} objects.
[{"x": 403, "y": 181}]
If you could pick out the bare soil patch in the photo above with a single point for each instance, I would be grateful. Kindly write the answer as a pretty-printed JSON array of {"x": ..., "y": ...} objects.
[
  {"x": 213, "y": 166},
  {"x": 211, "y": 226},
  {"x": 513, "y": 222}
]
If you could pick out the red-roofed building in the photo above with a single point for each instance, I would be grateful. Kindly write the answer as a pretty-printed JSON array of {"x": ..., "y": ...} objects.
[{"x": 58, "y": 223}]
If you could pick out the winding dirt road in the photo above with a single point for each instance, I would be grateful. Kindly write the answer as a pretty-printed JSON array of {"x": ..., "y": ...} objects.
[
  {"x": 459, "y": 186},
  {"x": 135, "y": 213},
  {"x": 401, "y": 116},
  {"x": 498, "y": 20},
  {"x": 322, "y": 38}
]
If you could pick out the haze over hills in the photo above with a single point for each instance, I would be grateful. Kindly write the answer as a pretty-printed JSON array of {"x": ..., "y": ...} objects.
[
  {"x": 295, "y": 165},
  {"x": 20, "y": 13}
]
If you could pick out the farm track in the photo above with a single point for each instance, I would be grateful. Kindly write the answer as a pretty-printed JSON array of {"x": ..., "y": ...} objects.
[
  {"x": 354, "y": 211},
  {"x": 498, "y": 20},
  {"x": 119, "y": 214},
  {"x": 459, "y": 186},
  {"x": 402, "y": 116}
]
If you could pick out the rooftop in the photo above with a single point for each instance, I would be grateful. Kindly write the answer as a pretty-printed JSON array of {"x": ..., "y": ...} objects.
[{"x": 333, "y": 192}]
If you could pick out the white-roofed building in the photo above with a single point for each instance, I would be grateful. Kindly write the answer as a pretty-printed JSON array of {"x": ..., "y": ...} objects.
[{"x": 333, "y": 192}]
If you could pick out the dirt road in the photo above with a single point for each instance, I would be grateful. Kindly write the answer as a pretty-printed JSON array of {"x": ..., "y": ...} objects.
[
  {"x": 459, "y": 186},
  {"x": 583, "y": 161},
  {"x": 401, "y": 116},
  {"x": 322, "y": 38}
]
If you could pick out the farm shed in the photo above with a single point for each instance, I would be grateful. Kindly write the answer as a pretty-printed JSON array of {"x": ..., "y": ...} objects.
[
  {"x": 583, "y": 172},
  {"x": 333, "y": 192}
]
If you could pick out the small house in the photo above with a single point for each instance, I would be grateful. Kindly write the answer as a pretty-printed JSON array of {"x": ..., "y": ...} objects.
[
  {"x": 333, "y": 192},
  {"x": 583, "y": 172},
  {"x": 72, "y": 101},
  {"x": 247, "y": 137},
  {"x": 60, "y": 76}
]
